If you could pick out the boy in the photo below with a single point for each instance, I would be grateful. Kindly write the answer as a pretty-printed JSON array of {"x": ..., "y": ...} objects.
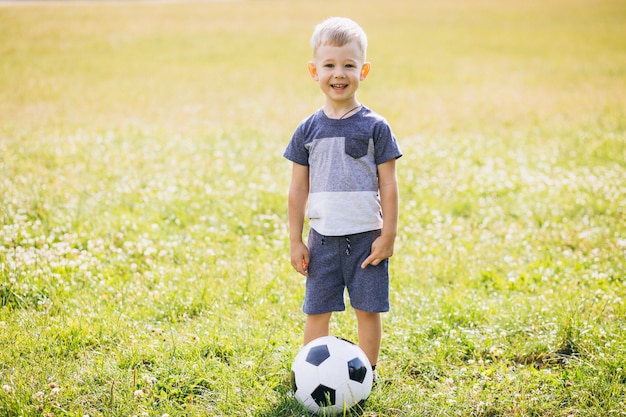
[{"x": 344, "y": 167}]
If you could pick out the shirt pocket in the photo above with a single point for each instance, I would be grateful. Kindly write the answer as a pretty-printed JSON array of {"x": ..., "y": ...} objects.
[{"x": 357, "y": 146}]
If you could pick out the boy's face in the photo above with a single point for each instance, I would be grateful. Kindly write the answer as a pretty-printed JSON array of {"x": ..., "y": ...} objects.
[{"x": 338, "y": 70}]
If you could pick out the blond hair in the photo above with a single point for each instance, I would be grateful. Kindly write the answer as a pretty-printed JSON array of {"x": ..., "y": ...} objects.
[{"x": 338, "y": 31}]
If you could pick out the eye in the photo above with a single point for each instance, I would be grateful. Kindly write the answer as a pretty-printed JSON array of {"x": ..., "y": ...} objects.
[
  {"x": 350, "y": 66},
  {"x": 329, "y": 66}
]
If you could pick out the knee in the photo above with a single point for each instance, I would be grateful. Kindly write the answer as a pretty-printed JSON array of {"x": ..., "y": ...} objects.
[
  {"x": 318, "y": 318},
  {"x": 366, "y": 315}
]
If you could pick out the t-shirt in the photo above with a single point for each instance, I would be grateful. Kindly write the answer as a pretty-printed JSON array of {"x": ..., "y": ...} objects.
[{"x": 342, "y": 155}]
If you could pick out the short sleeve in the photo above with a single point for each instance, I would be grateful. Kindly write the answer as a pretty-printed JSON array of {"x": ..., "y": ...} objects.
[
  {"x": 386, "y": 146},
  {"x": 296, "y": 151}
]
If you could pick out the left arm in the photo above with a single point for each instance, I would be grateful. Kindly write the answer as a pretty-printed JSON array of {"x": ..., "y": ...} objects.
[{"x": 382, "y": 248}]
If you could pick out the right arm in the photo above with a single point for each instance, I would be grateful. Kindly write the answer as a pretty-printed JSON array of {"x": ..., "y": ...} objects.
[{"x": 298, "y": 197}]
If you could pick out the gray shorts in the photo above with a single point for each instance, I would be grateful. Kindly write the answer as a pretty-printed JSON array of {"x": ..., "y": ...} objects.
[{"x": 335, "y": 264}]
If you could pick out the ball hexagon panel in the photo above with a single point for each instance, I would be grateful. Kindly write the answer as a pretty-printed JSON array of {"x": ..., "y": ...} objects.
[{"x": 306, "y": 378}]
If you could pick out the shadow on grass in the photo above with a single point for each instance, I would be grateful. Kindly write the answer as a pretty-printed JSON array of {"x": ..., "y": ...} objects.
[
  {"x": 286, "y": 407},
  {"x": 289, "y": 407}
]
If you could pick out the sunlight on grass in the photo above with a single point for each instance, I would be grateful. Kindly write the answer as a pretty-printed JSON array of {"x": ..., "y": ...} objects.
[{"x": 144, "y": 245}]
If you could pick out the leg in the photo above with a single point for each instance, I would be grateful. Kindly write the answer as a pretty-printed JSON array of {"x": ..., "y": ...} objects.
[
  {"x": 317, "y": 325},
  {"x": 370, "y": 333}
]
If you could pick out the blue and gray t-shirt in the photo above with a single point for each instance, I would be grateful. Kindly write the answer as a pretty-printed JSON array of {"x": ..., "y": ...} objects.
[{"x": 342, "y": 155}]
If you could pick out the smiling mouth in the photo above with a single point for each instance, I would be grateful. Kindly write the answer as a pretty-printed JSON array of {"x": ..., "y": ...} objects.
[{"x": 339, "y": 86}]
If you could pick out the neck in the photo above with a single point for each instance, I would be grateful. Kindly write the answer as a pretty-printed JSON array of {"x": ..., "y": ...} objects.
[{"x": 343, "y": 111}]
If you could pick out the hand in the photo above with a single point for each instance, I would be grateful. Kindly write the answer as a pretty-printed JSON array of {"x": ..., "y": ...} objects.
[
  {"x": 300, "y": 258},
  {"x": 382, "y": 248}
]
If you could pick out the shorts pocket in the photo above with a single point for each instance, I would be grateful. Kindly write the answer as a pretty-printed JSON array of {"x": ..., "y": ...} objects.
[{"x": 357, "y": 147}]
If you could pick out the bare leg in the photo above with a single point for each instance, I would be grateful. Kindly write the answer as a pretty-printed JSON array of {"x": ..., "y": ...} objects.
[
  {"x": 317, "y": 325},
  {"x": 370, "y": 333}
]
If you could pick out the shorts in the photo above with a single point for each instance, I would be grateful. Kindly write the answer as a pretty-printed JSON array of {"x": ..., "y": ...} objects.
[{"x": 335, "y": 264}]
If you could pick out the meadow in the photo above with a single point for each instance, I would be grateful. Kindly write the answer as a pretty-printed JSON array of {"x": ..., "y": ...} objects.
[{"x": 144, "y": 249}]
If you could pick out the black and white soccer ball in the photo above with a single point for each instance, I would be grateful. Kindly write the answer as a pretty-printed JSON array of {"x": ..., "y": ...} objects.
[{"x": 330, "y": 375}]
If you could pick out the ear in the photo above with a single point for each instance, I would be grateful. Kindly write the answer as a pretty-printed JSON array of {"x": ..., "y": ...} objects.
[
  {"x": 365, "y": 69},
  {"x": 313, "y": 70}
]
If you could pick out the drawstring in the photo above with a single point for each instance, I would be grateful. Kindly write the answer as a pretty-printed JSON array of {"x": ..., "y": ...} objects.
[{"x": 348, "y": 246}]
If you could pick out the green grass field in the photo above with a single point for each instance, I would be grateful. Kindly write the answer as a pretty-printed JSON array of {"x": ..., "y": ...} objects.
[{"x": 144, "y": 250}]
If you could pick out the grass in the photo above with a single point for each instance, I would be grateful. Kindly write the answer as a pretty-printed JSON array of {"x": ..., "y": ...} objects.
[{"x": 143, "y": 248}]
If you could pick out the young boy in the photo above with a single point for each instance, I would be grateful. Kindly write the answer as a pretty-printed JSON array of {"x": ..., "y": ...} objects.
[{"x": 344, "y": 167}]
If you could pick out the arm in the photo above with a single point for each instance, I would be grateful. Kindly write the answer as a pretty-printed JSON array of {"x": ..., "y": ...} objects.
[
  {"x": 382, "y": 248},
  {"x": 298, "y": 197}
]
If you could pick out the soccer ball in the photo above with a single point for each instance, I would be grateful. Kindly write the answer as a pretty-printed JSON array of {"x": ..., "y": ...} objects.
[{"x": 331, "y": 375}]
